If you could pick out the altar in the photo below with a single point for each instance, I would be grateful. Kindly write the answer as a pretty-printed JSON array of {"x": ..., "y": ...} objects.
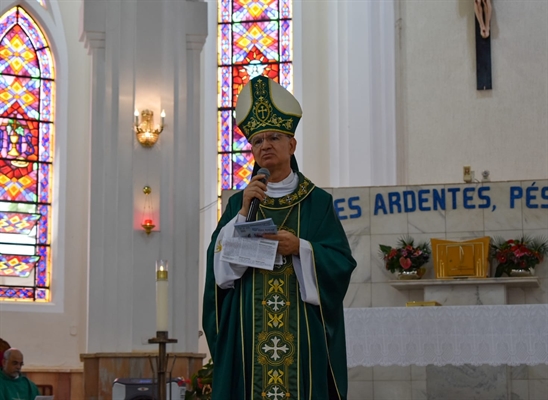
[{"x": 510, "y": 335}]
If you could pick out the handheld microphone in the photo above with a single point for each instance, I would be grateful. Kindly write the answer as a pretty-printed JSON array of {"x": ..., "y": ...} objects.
[{"x": 254, "y": 206}]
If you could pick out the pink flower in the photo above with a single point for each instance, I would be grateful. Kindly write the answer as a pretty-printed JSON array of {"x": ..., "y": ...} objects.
[{"x": 405, "y": 263}]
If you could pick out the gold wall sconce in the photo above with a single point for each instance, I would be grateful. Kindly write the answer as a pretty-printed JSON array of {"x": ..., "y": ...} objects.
[
  {"x": 146, "y": 134},
  {"x": 148, "y": 222}
]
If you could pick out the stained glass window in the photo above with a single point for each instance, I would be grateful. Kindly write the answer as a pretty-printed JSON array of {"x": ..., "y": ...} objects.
[
  {"x": 27, "y": 90},
  {"x": 254, "y": 38}
]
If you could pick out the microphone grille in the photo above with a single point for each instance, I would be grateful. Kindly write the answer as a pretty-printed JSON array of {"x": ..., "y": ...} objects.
[{"x": 265, "y": 172}]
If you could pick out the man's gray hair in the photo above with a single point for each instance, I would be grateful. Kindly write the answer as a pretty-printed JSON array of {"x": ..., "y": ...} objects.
[{"x": 7, "y": 354}]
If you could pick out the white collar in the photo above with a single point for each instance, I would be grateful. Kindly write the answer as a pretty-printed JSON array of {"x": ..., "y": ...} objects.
[{"x": 284, "y": 187}]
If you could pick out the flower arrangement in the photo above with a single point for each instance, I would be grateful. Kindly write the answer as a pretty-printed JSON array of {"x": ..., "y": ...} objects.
[
  {"x": 199, "y": 384},
  {"x": 523, "y": 253},
  {"x": 406, "y": 256}
]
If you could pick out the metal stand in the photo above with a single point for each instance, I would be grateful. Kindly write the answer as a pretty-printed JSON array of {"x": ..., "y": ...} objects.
[{"x": 161, "y": 338}]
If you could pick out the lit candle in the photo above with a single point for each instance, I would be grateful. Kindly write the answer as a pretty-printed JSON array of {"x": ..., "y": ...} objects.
[
  {"x": 136, "y": 114},
  {"x": 163, "y": 115},
  {"x": 162, "y": 318}
]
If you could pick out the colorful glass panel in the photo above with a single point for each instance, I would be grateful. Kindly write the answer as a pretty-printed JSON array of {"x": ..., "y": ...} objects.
[
  {"x": 43, "y": 225},
  {"x": 8, "y": 21},
  {"x": 45, "y": 144},
  {"x": 18, "y": 137},
  {"x": 242, "y": 167},
  {"x": 285, "y": 8},
  {"x": 20, "y": 223},
  {"x": 239, "y": 142},
  {"x": 32, "y": 30},
  {"x": 226, "y": 172},
  {"x": 254, "y": 10},
  {"x": 18, "y": 57},
  {"x": 285, "y": 41},
  {"x": 225, "y": 14},
  {"x": 258, "y": 37},
  {"x": 254, "y": 38},
  {"x": 16, "y": 293},
  {"x": 226, "y": 84},
  {"x": 241, "y": 74},
  {"x": 19, "y": 97},
  {"x": 17, "y": 265},
  {"x": 224, "y": 44},
  {"x": 27, "y": 95},
  {"x": 42, "y": 268},
  {"x": 46, "y": 62},
  {"x": 41, "y": 294},
  {"x": 226, "y": 131}
]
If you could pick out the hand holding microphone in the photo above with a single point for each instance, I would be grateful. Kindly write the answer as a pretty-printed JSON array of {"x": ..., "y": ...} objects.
[{"x": 254, "y": 193}]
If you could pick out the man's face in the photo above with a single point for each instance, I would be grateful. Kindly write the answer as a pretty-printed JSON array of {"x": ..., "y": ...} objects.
[
  {"x": 12, "y": 366},
  {"x": 273, "y": 149}
]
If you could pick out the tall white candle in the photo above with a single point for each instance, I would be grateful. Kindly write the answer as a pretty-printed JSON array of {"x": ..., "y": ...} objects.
[{"x": 162, "y": 316}]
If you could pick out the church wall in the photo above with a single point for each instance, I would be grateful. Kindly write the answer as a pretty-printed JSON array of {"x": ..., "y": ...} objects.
[
  {"x": 54, "y": 336},
  {"x": 443, "y": 121}
]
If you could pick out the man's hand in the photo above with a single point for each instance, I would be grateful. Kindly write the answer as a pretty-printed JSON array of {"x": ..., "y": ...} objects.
[
  {"x": 257, "y": 189},
  {"x": 288, "y": 243}
]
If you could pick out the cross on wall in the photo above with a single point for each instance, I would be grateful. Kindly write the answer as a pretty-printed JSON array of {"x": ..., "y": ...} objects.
[{"x": 483, "y": 10}]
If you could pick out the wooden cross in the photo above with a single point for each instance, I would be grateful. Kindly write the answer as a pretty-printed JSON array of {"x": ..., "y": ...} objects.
[{"x": 483, "y": 9}]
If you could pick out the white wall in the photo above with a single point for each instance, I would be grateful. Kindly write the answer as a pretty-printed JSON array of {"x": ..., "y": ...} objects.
[
  {"x": 443, "y": 121},
  {"x": 54, "y": 335},
  {"x": 348, "y": 93}
]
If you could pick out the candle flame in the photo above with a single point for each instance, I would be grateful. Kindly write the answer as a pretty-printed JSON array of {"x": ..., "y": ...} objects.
[
  {"x": 163, "y": 114},
  {"x": 136, "y": 113}
]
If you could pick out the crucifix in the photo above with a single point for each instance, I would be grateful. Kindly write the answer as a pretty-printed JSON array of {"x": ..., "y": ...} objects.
[{"x": 482, "y": 9}]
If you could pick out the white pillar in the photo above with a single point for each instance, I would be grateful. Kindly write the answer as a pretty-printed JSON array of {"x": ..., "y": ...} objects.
[{"x": 140, "y": 60}]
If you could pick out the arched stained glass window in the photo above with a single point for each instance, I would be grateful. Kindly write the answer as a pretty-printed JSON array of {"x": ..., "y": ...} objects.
[
  {"x": 254, "y": 39},
  {"x": 26, "y": 153}
]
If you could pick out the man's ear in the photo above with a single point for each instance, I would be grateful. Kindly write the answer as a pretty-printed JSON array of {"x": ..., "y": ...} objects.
[{"x": 292, "y": 145}]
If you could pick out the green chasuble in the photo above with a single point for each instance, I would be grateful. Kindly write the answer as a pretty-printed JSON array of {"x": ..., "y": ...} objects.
[
  {"x": 17, "y": 389},
  {"x": 266, "y": 343}
]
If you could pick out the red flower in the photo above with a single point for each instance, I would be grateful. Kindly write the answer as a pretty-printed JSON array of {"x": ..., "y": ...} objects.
[{"x": 405, "y": 263}]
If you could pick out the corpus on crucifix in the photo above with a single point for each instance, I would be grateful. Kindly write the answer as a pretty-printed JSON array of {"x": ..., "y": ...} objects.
[{"x": 482, "y": 8}]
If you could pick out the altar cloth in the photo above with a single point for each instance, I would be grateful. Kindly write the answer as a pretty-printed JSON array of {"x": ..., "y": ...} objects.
[{"x": 447, "y": 335}]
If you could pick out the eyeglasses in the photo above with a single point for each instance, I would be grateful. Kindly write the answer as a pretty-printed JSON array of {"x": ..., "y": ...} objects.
[{"x": 272, "y": 138}]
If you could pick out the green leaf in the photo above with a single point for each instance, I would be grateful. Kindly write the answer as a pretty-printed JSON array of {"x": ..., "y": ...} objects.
[{"x": 385, "y": 249}]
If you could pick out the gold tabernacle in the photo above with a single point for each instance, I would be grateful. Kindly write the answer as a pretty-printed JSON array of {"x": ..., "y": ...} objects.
[{"x": 461, "y": 259}]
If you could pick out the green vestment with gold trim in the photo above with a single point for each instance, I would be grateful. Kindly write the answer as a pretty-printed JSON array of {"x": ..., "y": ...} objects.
[{"x": 266, "y": 343}]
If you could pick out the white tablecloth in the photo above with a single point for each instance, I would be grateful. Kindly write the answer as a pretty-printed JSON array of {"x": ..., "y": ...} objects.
[{"x": 447, "y": 335}]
